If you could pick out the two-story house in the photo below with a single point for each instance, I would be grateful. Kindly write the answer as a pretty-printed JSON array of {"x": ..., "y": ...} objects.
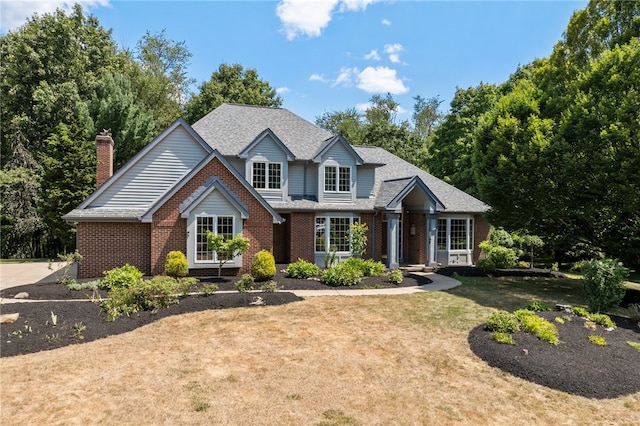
[{"x": 286, "y": 184}]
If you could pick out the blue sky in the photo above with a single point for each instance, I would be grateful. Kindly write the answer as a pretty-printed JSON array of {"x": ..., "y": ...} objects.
[{"x": 331, "y": 55}]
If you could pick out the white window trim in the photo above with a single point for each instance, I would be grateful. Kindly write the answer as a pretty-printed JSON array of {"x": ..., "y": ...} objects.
[
  {"x": 327, "y": 219},
  {"x": 267, "y": 163},
  {"x": 469, "y": 235},
  {"x": 215, "y": 231},
  {"x": 337, "y": 179}
]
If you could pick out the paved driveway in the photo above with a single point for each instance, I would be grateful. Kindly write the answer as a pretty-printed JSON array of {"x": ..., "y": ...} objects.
[{"x": 17, "y": 274}]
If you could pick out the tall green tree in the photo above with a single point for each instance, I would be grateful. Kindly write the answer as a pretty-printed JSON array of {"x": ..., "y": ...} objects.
[
  {"x": 231, "y": 84},
  {"x": 21, "y": 222},
  {"x": 49, "y": 67},
  {"x": 115, "y": 106},
  {"x": 426, "y": 115},
  {"x": 163, "y": 83},
  {"x": 510, "y": 157},
  {"x": 451, "y": 148},
  {"x": 348, "y": 123},
  {"x": 64, "y": 187}
]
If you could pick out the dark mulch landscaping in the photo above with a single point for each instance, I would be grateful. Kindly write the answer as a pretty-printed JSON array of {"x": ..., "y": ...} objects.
[
  {"x": 470, "y": 271},
  {"x": 34, "y": 331},
  {"x": 575, "y": 365}
]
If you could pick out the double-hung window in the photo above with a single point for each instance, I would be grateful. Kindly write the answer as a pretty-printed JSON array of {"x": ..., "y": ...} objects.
[
  {"x": 219, "y": 225},
  {"x": 266, "y": 175},
  {"x": 337, "y": 179}
]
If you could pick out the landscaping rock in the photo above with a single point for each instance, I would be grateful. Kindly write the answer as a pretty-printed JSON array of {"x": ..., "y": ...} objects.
[
  {"x": 21, "y": 295},
  {"x": 9, "y": 318}
]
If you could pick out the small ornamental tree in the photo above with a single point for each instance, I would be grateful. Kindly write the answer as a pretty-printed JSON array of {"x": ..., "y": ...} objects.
[
  {"x": 358, "y": 239},
  {"x": 226, "y": 249}
]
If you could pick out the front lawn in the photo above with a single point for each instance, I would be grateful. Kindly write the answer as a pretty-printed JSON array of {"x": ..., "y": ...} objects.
[{"x": 327, "y": 360}]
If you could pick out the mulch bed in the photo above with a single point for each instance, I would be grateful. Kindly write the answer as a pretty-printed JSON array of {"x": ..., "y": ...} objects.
[
  {"x": 34, "y": 331},
  {"x": 575, "y": 365}
]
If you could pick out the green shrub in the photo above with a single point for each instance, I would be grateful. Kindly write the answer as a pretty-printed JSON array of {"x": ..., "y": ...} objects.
[
  {"x": 503, "y": 322},
  {"x": 124, "y": 276},
  {"x": 486, "y": 265},
  {"x": 209, "y": 289},
  {"x": 537, "y": 306},
  {"x": 634, "y": 345},
  {"x": 540, "y": 328},
  {"x": 270, "y": 286},
  {"x": 150, "y": 294},
  {"x": 263, "y": 266},
  {"x": 603, "y": 281},
  {"x": 577, "y": 266},
  {"x": 581, "y": 312},
  {"x": 358, "y": 239},
  {"x": 603, "y": 320},
  {"x": 503, "y": 257},
  {"x": 523, "y": 313},
  {"x": 524, "y": 265},
  {"x": 343, "y": 274},
  {"x": 504, "y": 338},
  {"x": 598, "y": 340},
  {"x": 302, "y": 269},
  {"x": 176, "y": 264},
  {"x": 396, "y": 276},
  {"x": 368, "y": 267},
  {"x": 89, "y": 285},
  {"x": 244, "y": 284}
]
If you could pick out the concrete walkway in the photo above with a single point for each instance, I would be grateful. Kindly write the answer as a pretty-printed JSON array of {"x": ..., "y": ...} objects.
[{"x": 17, "y": 274}]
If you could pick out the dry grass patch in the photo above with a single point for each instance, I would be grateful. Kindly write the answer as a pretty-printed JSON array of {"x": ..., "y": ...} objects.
[{"x": 335, "y": 360}]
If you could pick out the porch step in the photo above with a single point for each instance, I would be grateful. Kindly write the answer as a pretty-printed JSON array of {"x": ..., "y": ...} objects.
[{"x": 416, "y": 268}]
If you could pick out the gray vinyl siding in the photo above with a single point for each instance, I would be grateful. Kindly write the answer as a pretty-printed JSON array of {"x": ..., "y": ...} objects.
[
  {"x": 312, "y": 180},
  {"x": 214, "y": 205},
  {"x": 268, "y": 151},
  {"x": 366, "y": 182},
  {"x": 340, "y": 157},
  {"x": 238, "y": 164},
  {"x": 296, "y": 179},
  {"x": 156, "y": 172}
]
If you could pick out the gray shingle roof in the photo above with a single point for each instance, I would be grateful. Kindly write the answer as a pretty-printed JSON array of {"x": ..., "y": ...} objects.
[
  {"x": 394, "y": 167},
  {"x": 108, "y": 214},
  {"x": 230, "y": 128}
]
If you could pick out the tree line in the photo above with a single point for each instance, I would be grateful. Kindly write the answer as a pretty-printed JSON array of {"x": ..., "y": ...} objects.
[
  {"x": 62, "y": 81},
  {"x": 554, "y": 150}
]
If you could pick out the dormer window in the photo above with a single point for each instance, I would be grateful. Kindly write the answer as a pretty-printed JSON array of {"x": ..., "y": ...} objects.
[
  {"x": 267, "y": 175},
  {"x": 337, "y": 179}
]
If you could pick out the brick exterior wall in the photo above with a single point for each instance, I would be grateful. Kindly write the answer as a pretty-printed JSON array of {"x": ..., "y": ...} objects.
[
  {"x": 168, "y": 231},
  {"x": 480, "y": 233},
  {"x": 301, "y": 237},
  {"x": 104, "y": 159},
  {"x": 106, "y": 246}
]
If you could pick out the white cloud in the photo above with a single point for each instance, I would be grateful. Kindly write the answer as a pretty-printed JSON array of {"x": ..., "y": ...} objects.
[
  {"x": 15, "y": 12},
  {"x": 373, "y": 55},
  {"x": 355, "y": 5},
  {"x": 385, "y": 22},
  {"x": 345, "y": 78},
  {"x": 381, "y": 80},
  {"x": 305, "y": 17},
  {"x": 317, "y": 77},
  {"x": 393, "y": 50},
  {"x": 281, "y": 90}
]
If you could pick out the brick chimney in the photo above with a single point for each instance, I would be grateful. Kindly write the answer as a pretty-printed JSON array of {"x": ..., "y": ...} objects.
[{"x": 104, "y": 157}]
